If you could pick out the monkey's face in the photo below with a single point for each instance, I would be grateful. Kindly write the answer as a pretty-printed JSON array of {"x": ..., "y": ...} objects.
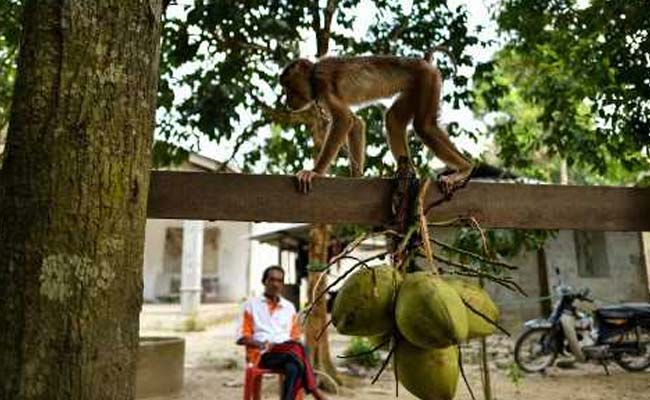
[
  {"x": 296, "y": 84},
  {"x": 297, "y": 96}
]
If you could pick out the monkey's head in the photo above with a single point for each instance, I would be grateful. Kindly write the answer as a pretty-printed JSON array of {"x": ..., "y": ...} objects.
[{"x": 296, "y": 83}]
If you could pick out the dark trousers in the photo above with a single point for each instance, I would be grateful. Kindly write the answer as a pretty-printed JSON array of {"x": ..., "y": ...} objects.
[{"x": 289, "y": 367}]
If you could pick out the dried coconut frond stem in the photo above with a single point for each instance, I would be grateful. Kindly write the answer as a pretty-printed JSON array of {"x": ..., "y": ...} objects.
[
  {"x": 349, "y": 248},
  {"x": 481, "y": 231},
  {"x": 466, "y": 270},
  {"x": 385, "y": 364},
  {"x": 326, "y": 271},
  {"x": 486, "y": 318},
  {"x": 365, "y": 353},
  {"x": 474, "y": 255},
  {"x": 462, "y": 373},
  {"x": 506, "y": 283},
  {"x": 342, "y": 277},
  {"x": 354, "y": 244},
  {"x": 323, "y": 330},
  {"x": 449, "y": 222}
]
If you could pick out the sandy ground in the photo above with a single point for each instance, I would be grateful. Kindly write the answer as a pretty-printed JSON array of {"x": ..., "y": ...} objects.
[{"x": 214, "y": 372}]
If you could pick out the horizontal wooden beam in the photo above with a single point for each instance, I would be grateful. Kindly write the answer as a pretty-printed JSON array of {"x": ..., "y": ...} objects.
[{"x": 272, "y": 198}]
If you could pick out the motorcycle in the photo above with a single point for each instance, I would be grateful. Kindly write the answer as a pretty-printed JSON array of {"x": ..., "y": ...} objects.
[{"x": 619, "y": 333}]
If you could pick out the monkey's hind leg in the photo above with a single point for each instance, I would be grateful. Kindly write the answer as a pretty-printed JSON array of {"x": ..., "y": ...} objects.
[
  {"x": 397, "y": 118},
  {"x": 435, "y": 138}
]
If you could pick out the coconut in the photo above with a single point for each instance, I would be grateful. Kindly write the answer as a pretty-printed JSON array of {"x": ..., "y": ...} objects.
[
  {"x": 430, "y": 313},
  {"x": 364, "y": 305},
  {"x": 480, "y": 301},
  {"x": 430, "y": 374}
]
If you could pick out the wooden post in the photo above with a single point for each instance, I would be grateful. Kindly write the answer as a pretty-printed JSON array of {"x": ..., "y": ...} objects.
[{"x": 241, "y": 197}]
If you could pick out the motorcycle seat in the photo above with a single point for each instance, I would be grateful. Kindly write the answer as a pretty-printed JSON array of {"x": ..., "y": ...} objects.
[{"x": 625, "y": 311}]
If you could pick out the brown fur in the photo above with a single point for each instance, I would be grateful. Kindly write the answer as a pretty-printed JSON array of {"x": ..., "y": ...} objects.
[{"x": 336, "y": 83}]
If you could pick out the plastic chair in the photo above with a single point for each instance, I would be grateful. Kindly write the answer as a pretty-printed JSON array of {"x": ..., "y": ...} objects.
[{"x": 253, "y": 382}]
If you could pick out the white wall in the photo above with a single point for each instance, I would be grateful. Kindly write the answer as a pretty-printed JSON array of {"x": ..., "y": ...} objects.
[
  {"x": 154, "y": 245},
  {"x": 262, "y": 256},
  {"x": 233, "y": 258},
  {"x": 627, "y": 280}
]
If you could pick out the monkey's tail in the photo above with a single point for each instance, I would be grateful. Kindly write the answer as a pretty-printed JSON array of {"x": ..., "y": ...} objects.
[
  {"x": 428, "y": 56},
  {"x": 486, "y": 171}
]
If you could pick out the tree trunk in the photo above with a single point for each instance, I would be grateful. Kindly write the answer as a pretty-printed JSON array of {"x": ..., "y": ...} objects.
[
  {"x": 319, "y": 238},
  {"x": 319, "y": 235},
  {"x": 73, "y": 194}
]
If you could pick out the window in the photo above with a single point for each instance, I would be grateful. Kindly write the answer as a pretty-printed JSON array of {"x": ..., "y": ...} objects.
[{"x": 591, "y": 254}]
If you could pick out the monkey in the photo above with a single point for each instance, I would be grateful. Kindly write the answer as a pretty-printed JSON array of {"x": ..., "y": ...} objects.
[
  {"x": 334, "y": 84},
  {"x": 355, "y": 144}
]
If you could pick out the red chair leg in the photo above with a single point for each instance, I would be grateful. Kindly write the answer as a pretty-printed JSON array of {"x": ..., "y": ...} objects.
[
  {"x": 257, "y": 386},
  {"x": 247, "y": 384}
]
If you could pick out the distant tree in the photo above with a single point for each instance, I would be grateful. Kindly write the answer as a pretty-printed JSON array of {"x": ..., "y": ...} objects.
[
  {"x": 572, "y": 82},
  {"x": 523, "y": 142}
]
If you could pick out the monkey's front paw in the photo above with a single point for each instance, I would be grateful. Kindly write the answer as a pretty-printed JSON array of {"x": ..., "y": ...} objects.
[{"x": 304, "y": 180}]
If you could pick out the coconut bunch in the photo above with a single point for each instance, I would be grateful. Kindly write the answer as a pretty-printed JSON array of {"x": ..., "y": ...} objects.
[
  {"x": 421, "y": 312},
  {"x": 427, "y": 316}
]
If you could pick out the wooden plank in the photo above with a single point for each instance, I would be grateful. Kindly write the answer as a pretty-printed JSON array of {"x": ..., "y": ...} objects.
[{"x": 240, "y": 197}]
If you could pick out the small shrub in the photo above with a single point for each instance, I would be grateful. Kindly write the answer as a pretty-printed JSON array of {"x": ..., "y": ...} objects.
[
  {"x": 361, "y": 345},
  {"x": 192, "y": 324},
  {"x": 515, "y": 375}
]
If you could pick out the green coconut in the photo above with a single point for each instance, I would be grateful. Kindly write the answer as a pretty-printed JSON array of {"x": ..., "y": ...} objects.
[
  {"x": 480, "y": 301},
  {"x": 364, "y": 305},
  {"x": 430, "y": 374},
  {"x": 430, "y": 313}
]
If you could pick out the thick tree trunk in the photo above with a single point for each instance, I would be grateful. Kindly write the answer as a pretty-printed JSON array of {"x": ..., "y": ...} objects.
[
  {"x": 319, "y": 239},
  {"x": 319, "y": 235},
  {"x": 73, "y": 199}
]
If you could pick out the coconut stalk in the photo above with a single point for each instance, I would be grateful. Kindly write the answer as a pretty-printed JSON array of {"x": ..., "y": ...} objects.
[{"x": 485, "y": 367}]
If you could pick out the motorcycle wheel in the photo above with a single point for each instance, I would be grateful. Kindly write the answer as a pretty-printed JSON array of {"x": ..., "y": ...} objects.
[
  {"x": 638, "y": 362},
  {"x": 531, "y": 353}
]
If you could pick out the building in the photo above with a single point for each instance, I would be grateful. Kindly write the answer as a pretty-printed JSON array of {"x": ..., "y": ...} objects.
[
  {"x": 196, "y": 261},
  {"x": 614, "y": 265}
]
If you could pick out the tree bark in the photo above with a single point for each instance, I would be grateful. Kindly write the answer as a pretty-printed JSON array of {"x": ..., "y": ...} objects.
[
  {"x": 319, "y": 239},
  {"x": 73, "y": 194},
  {"x": 319, "y": 235}
]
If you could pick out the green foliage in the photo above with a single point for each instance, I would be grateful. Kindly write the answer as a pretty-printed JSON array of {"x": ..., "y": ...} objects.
[
  {"x": 361, "y": 345},
  {"x": 515, "y": 374},
  {"x": 228, "y": 56},
  {"x": 192, "y": 324},
  {"x": 501, "y": 244},
  {"x": 10, "y": 29},
  {"x": 166, "y": 154},
  {"x": 572, "y": 83},
  {"x": 316, "y": 266}
]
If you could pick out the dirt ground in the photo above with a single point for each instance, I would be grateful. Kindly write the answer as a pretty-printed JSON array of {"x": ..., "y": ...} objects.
[{"x": 214, "y": 372}]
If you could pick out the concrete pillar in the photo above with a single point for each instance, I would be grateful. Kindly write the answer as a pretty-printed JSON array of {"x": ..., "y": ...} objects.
[{"x": 191, "y": 267}]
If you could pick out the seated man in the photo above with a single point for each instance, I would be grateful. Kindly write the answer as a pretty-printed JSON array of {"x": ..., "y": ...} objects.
[{"x": 269, "y": 329}]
